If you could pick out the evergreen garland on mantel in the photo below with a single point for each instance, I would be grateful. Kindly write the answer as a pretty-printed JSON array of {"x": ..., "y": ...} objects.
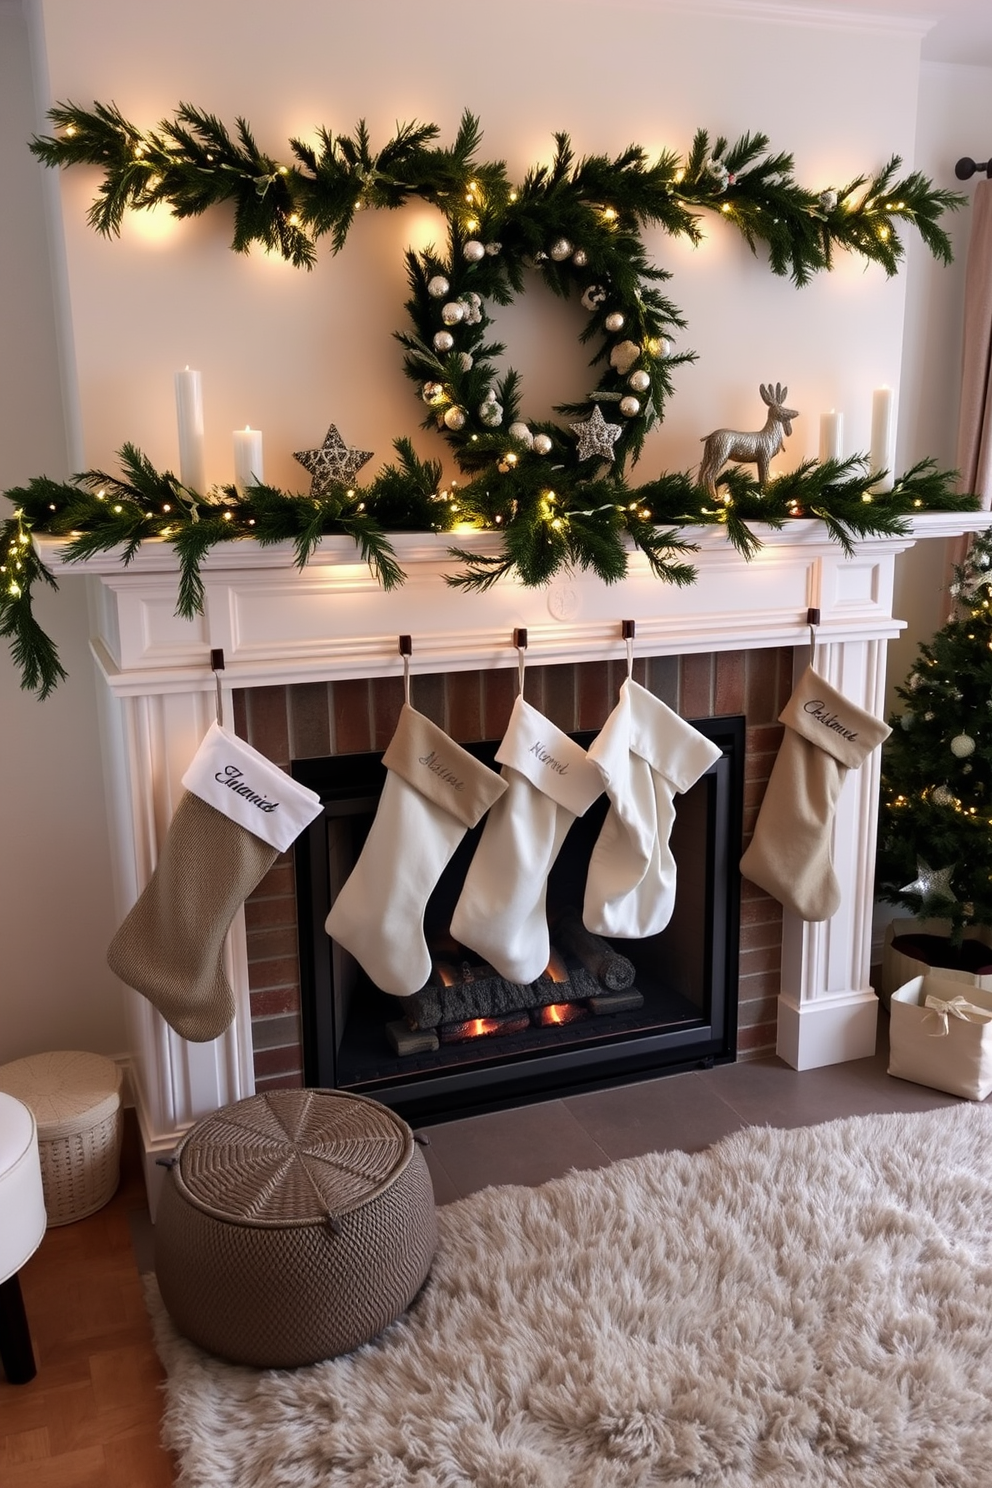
[{"x": 557, "y": 493}]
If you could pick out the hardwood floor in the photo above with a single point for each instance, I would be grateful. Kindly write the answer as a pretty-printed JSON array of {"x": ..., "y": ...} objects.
[{"x": 90, "y": 1417}]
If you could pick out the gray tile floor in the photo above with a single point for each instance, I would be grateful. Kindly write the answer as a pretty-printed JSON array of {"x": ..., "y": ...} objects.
[{"x": 531, "y": 1144}]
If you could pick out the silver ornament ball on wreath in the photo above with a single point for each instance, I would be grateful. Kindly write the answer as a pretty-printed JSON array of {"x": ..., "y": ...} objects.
[
  {"x": 473, "y": 250},
  {"x": 580, "y": 258},
  {"x": 614, "y": 322},
  {"x": 432, "y": 392},
  {"x": 454, "y": 418},
  {"x": 453, "y": 312},
  {"x": 438, "y": 287},
  {"x": 443, "y": 341},
  {"x": 962, "y": 745},
  {"x": 520, "y": 431},
  {"x": 630, "y": 407},
  {"x": 561, "y": 250},
  {"x": 491, "y": 412},
  {"x": 639, "y": 381},
  {"x": 542, "y": 444}
]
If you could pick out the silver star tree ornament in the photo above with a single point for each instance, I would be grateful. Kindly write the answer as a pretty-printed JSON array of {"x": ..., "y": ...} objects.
[
  {"x": 932, "y": 884},
  {"x": 333, "y": 462},
  {"x": 596, "y": 436}
]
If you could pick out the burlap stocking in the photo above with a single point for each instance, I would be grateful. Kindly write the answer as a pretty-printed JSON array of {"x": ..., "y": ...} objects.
[
  {"x": 501, "y": 911},
  {"x": 790, "y": 854},
  {"x": 239, "y": 810},
  {"x": 433, "y": 792},
  {"x": 647, "y": 754}
]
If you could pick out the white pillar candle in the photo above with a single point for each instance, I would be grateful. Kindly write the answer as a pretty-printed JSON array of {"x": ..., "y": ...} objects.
[
  {"x": 831, "y": 436},
  {"x": 883, "y": 436},
  {"x": 189, "y": 413},
  {"x": 248, "y": 469}
]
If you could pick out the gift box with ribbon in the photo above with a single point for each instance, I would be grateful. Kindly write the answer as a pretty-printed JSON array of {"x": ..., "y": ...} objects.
[{"x": 941, "y": 1034}]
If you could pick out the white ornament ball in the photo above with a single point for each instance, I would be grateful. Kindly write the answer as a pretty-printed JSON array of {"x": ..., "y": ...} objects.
[
  {"x": 630, "y": 407},
  {"x": 580, "y": 258},
  {"x": 542, "y": 444},
  {"x": 438, "y": 287},
  {"x": 443, "y": 340},
  {"x": 454, "y": 418},
  {"x": 520, "y": 431},
  {"x": 432, "y": 391},
  {"x": 465, "y": 361},
  {"x": 942, "y": 796},
  {"x": 491, "y": 412},
  {"x": 623, "y": 356},
  {"x": 639, "y": 381},
  {"x": 614, "y": 321},
  {"x": 452, "y": 312},
  {"x": 962, "y": 745},
  {"x": 561, "y": 250},
  {"x": 473, "y": 250}
]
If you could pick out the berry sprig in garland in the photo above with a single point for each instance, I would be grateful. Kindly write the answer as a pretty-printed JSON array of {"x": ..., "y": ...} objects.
[{"x": 557, "y": 492}]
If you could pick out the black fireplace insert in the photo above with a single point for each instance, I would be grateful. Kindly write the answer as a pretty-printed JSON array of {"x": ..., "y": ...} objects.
[{"x": 605, "y": 1012}]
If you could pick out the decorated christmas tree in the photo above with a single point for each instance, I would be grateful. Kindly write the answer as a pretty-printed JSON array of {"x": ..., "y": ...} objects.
[{"x": 935, "y": 830}]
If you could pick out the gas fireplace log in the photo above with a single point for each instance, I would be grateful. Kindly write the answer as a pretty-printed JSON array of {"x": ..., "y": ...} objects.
[
  {"x": 458, "y": 994},
  {"x": 611, "y": 970}
]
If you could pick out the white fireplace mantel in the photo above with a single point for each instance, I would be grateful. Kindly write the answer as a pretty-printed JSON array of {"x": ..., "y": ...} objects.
[{"x": 277, "y": 624}]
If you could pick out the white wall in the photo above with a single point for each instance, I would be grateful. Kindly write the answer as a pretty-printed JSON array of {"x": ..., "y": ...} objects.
[
  {"x": 55, "y": 989},
  {"x": 289, "y": 352}
]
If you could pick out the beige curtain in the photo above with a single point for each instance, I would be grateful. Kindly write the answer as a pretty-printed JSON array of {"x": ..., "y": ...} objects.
[{"x": 974, "y": 458}]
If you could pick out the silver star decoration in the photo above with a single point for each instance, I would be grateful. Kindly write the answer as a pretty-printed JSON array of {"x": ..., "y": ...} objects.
[
  {"x": 932, "y": 884},
  {"x": 596, "y": 436},
  {"x": 334, "y": 461}
]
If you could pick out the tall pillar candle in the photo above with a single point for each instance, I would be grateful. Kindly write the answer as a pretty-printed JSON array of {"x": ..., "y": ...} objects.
[
  {"x": 883, "y": 436},
  {"x": 248, "y": 468},
  {"x": 189, "y": 413},
  {"x": 831, "y": 436}
]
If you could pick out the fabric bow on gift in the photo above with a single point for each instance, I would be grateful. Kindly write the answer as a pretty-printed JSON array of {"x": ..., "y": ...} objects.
[{"x": 954, "y": 1007}]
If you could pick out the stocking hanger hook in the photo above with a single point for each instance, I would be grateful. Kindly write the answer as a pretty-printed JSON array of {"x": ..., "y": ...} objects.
[
  {"x": 812, "y": 620},
  {"x": 217, "y": 666},
  {"x": 520, "y": 641},
  {"x": 628, "y": 629},
  {"x": 406, "y": 651}
]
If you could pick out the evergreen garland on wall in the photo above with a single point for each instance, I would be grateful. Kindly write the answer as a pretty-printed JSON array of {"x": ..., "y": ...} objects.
[{"x": 558, "y": 493}]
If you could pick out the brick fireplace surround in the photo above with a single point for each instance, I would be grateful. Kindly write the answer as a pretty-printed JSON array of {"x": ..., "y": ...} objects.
[
  {"x": 313, "y": 720},
  {"x": 312, "y": 669}
]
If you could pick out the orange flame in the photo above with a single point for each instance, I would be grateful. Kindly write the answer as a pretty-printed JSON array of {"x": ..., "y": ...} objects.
[{"x": 556, "y": 969}]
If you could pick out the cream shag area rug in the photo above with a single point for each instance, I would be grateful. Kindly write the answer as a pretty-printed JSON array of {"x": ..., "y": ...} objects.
[{"x": 789, "y": 1308}]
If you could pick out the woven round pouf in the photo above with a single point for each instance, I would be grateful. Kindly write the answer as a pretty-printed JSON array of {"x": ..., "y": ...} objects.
[
  {"x": 293, "y": 1226},
  {"x": 76, "y": 1101}
]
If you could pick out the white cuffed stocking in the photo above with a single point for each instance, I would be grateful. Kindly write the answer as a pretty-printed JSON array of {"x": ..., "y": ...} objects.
[
  {"x": 433, "y": 792},
  {"x": 501, "y": 912},
  {"x": 238, "y": 811},
  {"x": 647, "y": 754}
]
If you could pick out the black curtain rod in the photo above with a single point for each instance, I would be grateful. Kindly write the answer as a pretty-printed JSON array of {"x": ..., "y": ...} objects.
[{"x": 966, "y": 168}]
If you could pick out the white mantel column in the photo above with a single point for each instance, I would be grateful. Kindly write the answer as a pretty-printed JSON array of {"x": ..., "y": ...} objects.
[{"x": 827, "y": 1010}]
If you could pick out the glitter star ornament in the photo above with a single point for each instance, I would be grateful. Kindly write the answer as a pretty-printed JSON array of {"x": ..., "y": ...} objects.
[
  {"x": 596, "y": 436},
  {"x": 333, "y": 462},
  {"x": 932, "y": 884}
]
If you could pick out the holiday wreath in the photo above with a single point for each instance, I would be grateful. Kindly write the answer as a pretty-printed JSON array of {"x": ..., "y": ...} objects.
[{"x": 558, "y": 493}]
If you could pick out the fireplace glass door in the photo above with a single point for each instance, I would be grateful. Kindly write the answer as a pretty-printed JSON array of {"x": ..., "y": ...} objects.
[{"x": 604, "y": 1010}]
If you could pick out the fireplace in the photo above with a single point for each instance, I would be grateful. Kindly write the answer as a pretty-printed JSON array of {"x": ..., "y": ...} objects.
[
  {"x": 603, "y": 1012},
  {"x": 803, "y": 989}
]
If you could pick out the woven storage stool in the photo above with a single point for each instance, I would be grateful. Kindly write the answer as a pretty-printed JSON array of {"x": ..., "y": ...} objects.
[
  {"x": 293, "y": 1226},
  {"x": 76, "y": 1101}
]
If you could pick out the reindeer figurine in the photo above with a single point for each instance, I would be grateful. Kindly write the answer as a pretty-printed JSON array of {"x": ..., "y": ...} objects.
[{"x": 759, "y": 447}]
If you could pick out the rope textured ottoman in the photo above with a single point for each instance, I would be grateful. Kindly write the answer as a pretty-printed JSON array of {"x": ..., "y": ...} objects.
[
  {"x": 293, "y": 1226},
  {"x": 76, "y": 1101}
]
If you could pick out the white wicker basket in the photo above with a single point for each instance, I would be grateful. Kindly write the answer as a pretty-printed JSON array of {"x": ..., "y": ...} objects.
[{"x": 76, "y": 1100}]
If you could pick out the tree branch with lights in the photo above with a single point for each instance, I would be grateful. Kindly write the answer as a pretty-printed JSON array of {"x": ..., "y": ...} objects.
[{"x": 558, "y": 493}]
